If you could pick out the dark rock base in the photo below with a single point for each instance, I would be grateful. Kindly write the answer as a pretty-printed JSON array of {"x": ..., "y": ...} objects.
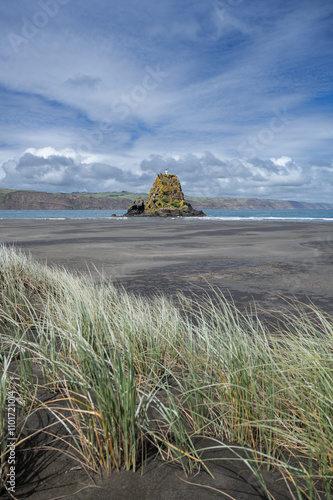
[
  {"x": 165, "y": 212},
  {"x": 138, "y": 209}
]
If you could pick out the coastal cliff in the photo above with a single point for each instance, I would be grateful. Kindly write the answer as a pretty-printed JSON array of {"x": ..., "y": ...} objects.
[
  {"x": 37, "y": 200},
  {"x": 256, "y": 204}
]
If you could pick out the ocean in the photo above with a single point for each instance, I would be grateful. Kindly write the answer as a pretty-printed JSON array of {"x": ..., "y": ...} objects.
[{"x": 222, "y": 215}]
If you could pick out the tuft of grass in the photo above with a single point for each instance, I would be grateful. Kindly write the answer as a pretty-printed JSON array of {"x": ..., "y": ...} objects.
[{"x": 126, "y": 374}]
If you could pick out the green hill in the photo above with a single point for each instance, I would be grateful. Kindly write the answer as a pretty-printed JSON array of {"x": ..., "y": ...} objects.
[{"x": 37, "y": 200}]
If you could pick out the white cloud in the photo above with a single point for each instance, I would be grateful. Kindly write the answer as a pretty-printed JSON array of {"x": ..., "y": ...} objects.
[
  {"x": 208, "y": 175},
  {"x": 78, "y": 93},
  {"x": 50, "y": 170},
  {"x": 49, "y": 151},
  {"x": 282, "y": 162},
  {"x": 200, "y": 174}
]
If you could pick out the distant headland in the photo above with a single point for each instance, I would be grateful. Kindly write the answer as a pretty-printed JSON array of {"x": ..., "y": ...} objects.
[{"x": 14, "y": 199}]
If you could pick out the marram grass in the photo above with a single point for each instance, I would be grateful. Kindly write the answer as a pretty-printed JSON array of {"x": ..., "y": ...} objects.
[{"x": 127, "y": 374}]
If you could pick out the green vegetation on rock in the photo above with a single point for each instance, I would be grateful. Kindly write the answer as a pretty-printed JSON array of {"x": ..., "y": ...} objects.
[
  {"x": 165, "y": 199},
  {"x": 165, "y": 192}
]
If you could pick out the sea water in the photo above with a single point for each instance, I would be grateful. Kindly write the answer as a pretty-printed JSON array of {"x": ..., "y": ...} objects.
[{"x": 222, "y": 215}]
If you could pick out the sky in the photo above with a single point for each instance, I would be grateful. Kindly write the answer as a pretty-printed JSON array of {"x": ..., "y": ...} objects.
[{"x": 233, "y": 96}]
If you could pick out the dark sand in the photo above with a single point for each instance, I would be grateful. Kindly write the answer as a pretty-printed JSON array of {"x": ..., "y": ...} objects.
[
  {"x": 260, "y": 261},
  {"x": 249, "y": 260}
]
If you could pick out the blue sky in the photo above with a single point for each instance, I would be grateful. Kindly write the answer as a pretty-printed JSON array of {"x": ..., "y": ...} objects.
[{"x": 234, "y": 96}]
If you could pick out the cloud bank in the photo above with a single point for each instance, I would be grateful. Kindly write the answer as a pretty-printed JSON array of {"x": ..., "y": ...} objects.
[{"x": 201, "y": 175}]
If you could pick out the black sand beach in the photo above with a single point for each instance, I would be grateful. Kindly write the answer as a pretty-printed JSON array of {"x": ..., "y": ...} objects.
[
  {"x": 257, "y": 261},
  {"x": 249, "y": 260}
]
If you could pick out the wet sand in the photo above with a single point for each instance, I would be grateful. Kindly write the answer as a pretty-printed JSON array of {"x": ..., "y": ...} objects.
[
  {"x": 248, "y": 260},
  {"x": 259, "y": 261}
]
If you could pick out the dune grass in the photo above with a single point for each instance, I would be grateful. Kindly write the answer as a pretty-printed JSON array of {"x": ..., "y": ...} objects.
[{"x": 129, "y": 374}]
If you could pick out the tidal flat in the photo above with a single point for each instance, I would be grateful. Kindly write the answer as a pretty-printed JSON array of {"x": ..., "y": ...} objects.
[{"x": 246, "y": 260}]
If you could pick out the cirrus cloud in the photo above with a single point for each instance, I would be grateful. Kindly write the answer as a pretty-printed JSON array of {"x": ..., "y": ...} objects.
[{"x": 116, "y": 82}]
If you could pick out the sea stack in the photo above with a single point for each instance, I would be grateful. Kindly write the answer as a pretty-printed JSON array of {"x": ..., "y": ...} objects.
[{"x": 165, "y": 199}]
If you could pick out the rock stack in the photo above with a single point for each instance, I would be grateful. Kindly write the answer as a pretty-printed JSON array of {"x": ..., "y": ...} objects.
[{"x": 166, "y": 199}]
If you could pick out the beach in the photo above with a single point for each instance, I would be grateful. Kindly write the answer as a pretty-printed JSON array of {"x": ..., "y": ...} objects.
[
  {"x": 261, "y": 261},
  {"x": 251, "y": 263}
]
